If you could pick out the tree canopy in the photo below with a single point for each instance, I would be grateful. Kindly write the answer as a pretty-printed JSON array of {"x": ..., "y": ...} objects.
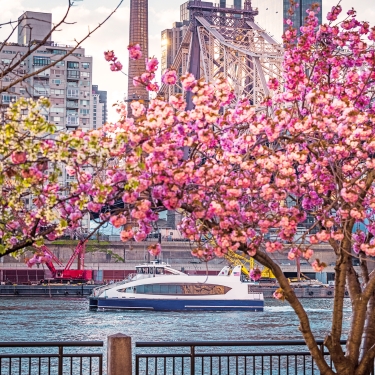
[{"x": 245, "y": 177}]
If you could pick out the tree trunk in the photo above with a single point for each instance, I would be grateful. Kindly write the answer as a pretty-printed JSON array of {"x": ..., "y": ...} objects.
[{"x": 298, "y": 269}]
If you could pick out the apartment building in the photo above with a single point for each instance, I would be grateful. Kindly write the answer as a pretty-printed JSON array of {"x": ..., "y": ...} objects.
[
  {"x": 99, "y": 107},
  {"x": 68, "y": 84}
]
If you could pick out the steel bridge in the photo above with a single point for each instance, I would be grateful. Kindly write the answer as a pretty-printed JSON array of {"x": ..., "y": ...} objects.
[{"x": 226, "y": 42}]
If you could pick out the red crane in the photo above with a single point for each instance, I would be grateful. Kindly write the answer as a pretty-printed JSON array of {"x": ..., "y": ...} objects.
[{"x": 66, "y": 274}]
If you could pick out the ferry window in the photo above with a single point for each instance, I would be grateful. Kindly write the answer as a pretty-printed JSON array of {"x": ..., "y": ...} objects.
[
  {"x": 139, "y": 270},
  {"x": 164, "y": 289},
  {"x": 187, "y": 289},
  {"x": 148, "y": 289},
  {"x": 174, "y": 289},
  {"x": 159, "y": 271},
  {"x": 156, "y": 289},
  {"x": 140, "y": 289}
]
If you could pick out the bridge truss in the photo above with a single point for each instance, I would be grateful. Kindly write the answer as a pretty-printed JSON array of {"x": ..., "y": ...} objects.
[{"x": 226, "y": 42}]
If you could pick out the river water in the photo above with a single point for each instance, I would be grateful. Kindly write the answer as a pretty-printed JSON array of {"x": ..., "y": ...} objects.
[
  {"x": 42, "y": 319},
  {"x": 60, "y": 319}
]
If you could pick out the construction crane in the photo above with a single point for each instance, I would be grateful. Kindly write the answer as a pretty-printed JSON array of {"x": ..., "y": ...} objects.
[
  {"x": 239, "y": 260},
  {"x": 46, "y": 256}
]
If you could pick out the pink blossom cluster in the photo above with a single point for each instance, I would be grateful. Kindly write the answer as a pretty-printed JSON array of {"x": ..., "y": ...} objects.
[
  {"x": 155, "y": 249},
  {"x": 255, "y": 274},
  {"x": 135, "y": 52},
  {"x": 169, "y": 77},
  {"x": 115, "y": 65}
]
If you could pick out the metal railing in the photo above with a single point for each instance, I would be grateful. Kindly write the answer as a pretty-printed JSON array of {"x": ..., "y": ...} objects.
[
  {"x": 225, "y": 358},
  {"x": 15, "y": 361}
]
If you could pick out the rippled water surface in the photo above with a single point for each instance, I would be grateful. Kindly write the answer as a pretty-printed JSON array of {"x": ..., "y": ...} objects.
[{"x": 41, "y": 319}]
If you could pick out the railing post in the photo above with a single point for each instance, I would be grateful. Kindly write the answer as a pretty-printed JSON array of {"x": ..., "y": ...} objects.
[
  {"x": 61, "y": 358},
  {"x": 119, "y": 355},
  {"x": 192, "y": 360}
]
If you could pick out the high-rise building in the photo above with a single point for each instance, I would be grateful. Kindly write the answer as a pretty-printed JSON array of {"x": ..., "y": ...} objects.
[
  {"x": 171, "y": 39},
  {"x": 67, "y": 84},
  {"x": 274, "y": 13},
  {"x": 138, "y": 34},
  {"x": 99, "y": 107},
  {"x": 34, "y": 26}
]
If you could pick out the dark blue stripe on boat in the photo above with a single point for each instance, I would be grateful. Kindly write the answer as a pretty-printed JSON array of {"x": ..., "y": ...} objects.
[{"x": 177, "y": 304}]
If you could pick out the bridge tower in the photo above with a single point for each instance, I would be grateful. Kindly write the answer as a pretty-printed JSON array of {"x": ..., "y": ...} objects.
[{"x": 225, "y": 42}]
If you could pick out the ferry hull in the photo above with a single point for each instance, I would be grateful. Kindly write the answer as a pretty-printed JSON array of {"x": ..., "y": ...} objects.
[{"x": 175, "y": 304}]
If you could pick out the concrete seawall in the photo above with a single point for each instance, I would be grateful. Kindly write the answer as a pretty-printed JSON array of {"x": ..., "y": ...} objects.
[{"x": 67, "y": 291}]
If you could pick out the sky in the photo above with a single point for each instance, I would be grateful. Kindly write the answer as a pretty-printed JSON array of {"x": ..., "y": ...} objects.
[{"x": 114, "y": 35}]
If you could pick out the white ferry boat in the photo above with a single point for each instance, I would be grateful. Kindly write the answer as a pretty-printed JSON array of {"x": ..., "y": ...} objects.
[{"x": 157, "y": 286}]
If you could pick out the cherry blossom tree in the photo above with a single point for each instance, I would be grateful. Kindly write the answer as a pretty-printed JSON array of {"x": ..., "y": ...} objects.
[
  {"x": 35, "y": 205},
  {"x": 248, "y": 181},
  {"x": 252, "y": 175}
]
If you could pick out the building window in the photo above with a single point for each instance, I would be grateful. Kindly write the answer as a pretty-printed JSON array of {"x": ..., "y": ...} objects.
[
  {"x": 85, "y": 65},
  {"x": 41, "y": 61},
  {"x": 84, "y": 111},
  {"x": 72, "y": 120},
  {"x": 60, "y": 63},
  {"x": 84, "y": 83},
  {"x": 57, "y": 92},
  {"x": 56, "y": 119},
  {"x": 39, "y": 91},
  {"x": 85, "y": 74},
  {"x": 73, "y": 65},
  {"x": 72, "y": 112},
  {"x": 9, "y": 98},
  {"x": 72, "y": 93},
  {"x": 57, "y": 110},
  {"x": 57, "y": 51},
  {"x": 85, "y": 102},
  {"x": 72, "y": 84},
  {"x": 57, "y": 81},
  {"x": 73, "y": 74}
]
